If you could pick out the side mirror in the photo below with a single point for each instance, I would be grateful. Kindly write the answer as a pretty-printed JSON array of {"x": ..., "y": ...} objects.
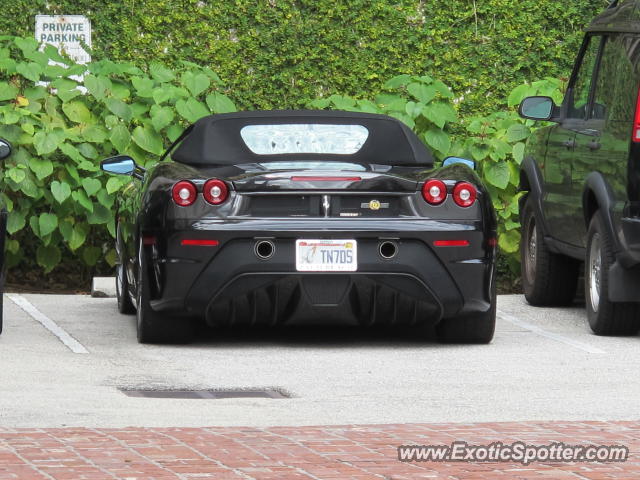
[
  {"x": 5, "y": 149},
  {"x": 537, "y": 108},
  {"x": 120, "y": 164},
  {"x": 455, "y": 160}
]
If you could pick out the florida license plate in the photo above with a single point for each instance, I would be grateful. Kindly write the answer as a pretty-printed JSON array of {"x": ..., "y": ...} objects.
[{"x": 326, "y": 255}]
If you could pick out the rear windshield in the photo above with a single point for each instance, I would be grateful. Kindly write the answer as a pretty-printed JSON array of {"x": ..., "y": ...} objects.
[{"x": 304, "y": 138}]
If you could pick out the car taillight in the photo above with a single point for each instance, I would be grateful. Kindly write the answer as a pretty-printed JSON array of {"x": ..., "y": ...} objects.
[
  {"x": 215, "y": 191},
  {"x": 434, "y": 192},
  {"x": 635, "y": 137},
  {"x": 184, "y": 193},
  {"x": 464, "y": 194}
]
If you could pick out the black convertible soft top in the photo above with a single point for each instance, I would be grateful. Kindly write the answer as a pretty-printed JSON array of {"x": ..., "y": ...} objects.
[{"x": 216, "y": 139}]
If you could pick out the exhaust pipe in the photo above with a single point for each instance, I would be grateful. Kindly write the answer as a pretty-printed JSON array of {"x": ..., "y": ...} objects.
[
  {"x": 264, "y": 249},
  {"x": 387, "y": 250}
]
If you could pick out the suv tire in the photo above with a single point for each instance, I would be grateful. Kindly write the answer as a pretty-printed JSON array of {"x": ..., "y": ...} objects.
[
  {"x": 605, "y": 317},
  {"x": 548, "y": 279}
]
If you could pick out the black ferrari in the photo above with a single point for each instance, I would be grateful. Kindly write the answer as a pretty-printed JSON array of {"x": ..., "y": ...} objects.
[{"x": 264, "y": 218}]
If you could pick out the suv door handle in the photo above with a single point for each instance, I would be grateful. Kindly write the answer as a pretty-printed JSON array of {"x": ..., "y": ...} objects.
[
  {"x": 594, "y": 145},
  {"x": 569, "y": 143}
]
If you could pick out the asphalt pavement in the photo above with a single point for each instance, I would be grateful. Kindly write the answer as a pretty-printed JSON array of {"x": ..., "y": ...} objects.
[{"x": 66, "y": 359}]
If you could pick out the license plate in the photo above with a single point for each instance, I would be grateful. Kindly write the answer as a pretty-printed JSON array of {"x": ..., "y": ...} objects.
[{"x": 326, "y": 255}]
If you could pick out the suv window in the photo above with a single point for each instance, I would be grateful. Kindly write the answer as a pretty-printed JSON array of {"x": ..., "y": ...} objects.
[
  {"x": 616, "y": 87},
  {"x": 582, "y": 85}
]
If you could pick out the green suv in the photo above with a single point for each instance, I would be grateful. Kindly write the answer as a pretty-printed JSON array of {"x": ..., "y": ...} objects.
[{"x": 582, "y": 175}]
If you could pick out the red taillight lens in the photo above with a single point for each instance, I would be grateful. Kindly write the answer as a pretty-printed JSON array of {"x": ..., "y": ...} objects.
[
  {"x": 434, "y": 192},
  {"x": 635, "y": 137},
  {"x": 464, "y": 194},
  {"x": 184, "y": 193},
  {"x": 215, "y": 191}
]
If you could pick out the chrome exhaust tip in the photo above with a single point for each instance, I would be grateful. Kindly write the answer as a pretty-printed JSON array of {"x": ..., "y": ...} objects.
[
  {"x": 264, "y": 249},
  {"x": 388, "y": 250}
]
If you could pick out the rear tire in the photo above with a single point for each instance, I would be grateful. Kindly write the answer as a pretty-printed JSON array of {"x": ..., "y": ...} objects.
[
  {"x": 153, "y": 327},
  {"x": 125, "y": 305},
  {"x": 548, "y": 279},
  {"x": 478, "y": 328},
  {"x": 605, "y": 317}
]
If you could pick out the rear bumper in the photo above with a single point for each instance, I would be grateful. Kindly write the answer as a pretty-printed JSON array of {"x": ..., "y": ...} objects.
[{"x": 229, "y": 284}]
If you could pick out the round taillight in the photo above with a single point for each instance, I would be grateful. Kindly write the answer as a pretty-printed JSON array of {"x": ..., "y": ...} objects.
[
  {"x": 215, "y": 191},
  {"x": 434, "y": 192},
  {"x": 464, "y": 194},
  {"x": 184, "y": 193}
]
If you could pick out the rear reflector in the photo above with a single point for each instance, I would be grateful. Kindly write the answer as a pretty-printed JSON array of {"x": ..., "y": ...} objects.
[
  {"x": 194, "y": 242},
  {"x": 148, "y": 240},
  {"x": 451, "y": 243},
  {"x": 636, "y": 122},
  {"x": 326, "y": 179}
]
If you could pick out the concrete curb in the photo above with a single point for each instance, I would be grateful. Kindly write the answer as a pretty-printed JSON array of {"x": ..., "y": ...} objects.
[{"x": 103, "y": 287}]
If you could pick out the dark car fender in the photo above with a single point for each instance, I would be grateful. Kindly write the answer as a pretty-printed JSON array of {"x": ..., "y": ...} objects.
[{"x": 531, "y": 181}]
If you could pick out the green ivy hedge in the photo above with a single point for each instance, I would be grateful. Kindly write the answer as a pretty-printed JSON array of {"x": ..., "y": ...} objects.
[{"x": 280, "y": 53}]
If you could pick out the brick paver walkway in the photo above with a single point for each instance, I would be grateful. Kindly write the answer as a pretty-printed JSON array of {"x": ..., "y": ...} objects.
[{"x": 329, "y": 452}]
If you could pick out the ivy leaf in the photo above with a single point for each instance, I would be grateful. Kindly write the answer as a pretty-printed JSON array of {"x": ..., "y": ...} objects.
[
  {"x": 80, "y": 197},
  {"x": 438, "y": 140},
  {"x": 100, "y": 215},
  {"x": 91, "y": 186},
  {"x": 77, "y": 112},
  {"x": 219, "y": 103},
  {"x": 518, "y": 152},
  {"x": 148, "y": 139},
  {"x": 7, "y": 92},
  {"x": 91, "y": 255},
  {"x": 423, "y": 93},
  {"x": 97, "y": 86},
  {"x": 119, "y": 108},
  {"x": 120, "y": 137},
  {"x": 48, "y": 257},
  {"x": 399, "y": 81},
  {"x": 517, "y": 132},
  {"x": 60, "y": 191},
  {"x": 196, "y": 83},
  {"x": 78, "y": 236},
  {"x": 160, "y": 72},
  {"x": 191, "y": 110},
  {"x": 15, "y": 222},
  {"x": 439, "y": 113},
  {"x": 45, "y": 142},
  {"x": 113, "y": 185},
  {"x": 161, "y": 116},
  {"x": 30, "y": 71},
  {"x": 497, "y": 174},
  {"x": 47, "y": 222},
  {"x": 519, "y": 93},
  {"x": 143, "y": 86},
  {"x": 42, "y": 167}
]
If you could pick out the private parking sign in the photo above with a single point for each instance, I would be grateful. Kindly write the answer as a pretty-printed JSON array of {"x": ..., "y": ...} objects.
[{"x": 67, "y": 33}]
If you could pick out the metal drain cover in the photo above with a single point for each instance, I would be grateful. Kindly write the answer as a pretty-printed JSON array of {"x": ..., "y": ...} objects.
[{"x": 206, "y": 394}]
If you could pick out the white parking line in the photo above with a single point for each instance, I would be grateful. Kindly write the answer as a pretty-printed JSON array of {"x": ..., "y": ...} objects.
[
  {"x": 553, "y": 336},
  {"x": 46, "y": 322}
]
